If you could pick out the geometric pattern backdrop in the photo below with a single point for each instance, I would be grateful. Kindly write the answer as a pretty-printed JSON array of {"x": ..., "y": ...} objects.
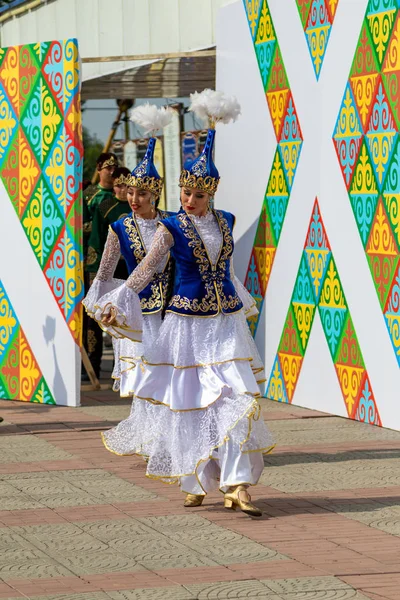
[
  {"x": 41, "y": 161},
  {"x": 318, "y": 286},
  {"x": 317, "y": 17},
  {"x": 41, "y": 156},
  {"x": 20, "y": 375},
  {"x": 367, "y": 142},
  {"x": 289, "y": 142}
]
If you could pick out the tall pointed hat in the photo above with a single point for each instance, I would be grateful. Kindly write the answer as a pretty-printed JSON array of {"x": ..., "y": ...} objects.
[
  {"x": 216, "y": 107},
  {"x": 151, "y": 119}
]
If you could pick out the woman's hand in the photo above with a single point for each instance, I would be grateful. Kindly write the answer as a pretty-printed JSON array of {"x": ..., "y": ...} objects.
[{"x": 110, "y": 318}]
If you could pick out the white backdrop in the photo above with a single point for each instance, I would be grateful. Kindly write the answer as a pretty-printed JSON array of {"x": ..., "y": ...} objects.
[
  {"x": 122, "y": 27},
  {"x": 56, "y": 353},
  {"x": 41, "y": 270},
  {"x": 244, "y": 157}
]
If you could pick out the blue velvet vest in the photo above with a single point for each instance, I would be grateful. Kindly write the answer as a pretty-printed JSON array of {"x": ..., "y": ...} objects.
[
  {"x": 201, "y": 289},
  {"x": 154, "y": 296}
]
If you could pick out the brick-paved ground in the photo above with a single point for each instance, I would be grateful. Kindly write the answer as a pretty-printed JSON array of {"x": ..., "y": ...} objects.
[{"x": 78, "y": 523}]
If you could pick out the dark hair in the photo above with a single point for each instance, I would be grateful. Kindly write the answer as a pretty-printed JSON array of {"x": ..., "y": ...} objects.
[
  {"x": 157, "y": 202},
  {"x": 121, "y": 171},
  {"x": 105, "y": 156},
  {"x": 170, "y": 288}
]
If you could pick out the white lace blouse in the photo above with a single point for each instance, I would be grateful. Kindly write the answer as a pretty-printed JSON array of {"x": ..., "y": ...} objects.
[{"x": 112, "y": 249}]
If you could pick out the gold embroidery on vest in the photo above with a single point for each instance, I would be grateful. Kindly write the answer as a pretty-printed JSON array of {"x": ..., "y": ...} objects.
[
  {"x": 230, "y": 302},
  {"x": 214, "y": 299},
  {"x": 159, "y": 283},
  {"x": 132, "y": 232}
]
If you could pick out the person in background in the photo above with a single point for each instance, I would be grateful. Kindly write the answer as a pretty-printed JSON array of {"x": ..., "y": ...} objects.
[
  {"x": 94, "y": 194},
  {"x": 86, "y": 228},
  {"x": 104, "y": 214},
  {"x": 86, "y": 219}
]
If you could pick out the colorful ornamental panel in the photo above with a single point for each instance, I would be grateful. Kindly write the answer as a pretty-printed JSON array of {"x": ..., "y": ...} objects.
[
  {"x": 317, "y": 17},
  {"x": 289, "y": 139},
  {"x": 318, "y": 287},
  {"x": 41, "y": 159},
  {"x": 367, "y": 142},
  {"x": 20, "y": 375}
]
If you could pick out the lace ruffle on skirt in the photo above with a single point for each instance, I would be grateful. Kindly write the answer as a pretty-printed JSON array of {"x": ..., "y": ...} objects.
[
  {"x": 195, "y": 361},
  {"x": 178, "y": 442},
  {"x": 189, "y": 389},
  {"x": 127, "y": 353}
]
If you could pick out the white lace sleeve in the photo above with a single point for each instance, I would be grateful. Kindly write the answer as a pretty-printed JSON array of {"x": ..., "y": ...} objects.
[
  {"x": 249, "y": 305},
  {"x": 125, "y": 300},
  {"x": 110, "y": 257},
  {"x": 104, "y": 282},
  {"x": 160, "y": 247}
]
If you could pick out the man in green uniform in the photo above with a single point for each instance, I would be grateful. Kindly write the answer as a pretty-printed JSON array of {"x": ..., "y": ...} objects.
[
  {"x": 93, "y": 196},
  {"x": 105, "y": 213},
  {"x": 106, "y": 163}
]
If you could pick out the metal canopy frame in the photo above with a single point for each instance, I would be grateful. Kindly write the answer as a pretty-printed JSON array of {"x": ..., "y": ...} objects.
[{"x": 173, "y": 75}]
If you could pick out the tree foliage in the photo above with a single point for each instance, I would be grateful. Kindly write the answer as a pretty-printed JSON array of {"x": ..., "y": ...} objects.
[{"x": 92, "y": 148}]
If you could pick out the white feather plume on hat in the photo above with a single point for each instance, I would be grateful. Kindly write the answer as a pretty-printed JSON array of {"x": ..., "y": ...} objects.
[
  {"x": 151, "y": 117},
  {"x": 214, "y": 106}
]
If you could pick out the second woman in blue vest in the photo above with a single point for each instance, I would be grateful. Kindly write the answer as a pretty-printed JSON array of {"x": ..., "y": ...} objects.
[{"x": 131, "y": 236}]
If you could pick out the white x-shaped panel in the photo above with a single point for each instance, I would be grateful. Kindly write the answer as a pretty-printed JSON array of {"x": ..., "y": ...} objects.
[{"x": 318, "y": 175}]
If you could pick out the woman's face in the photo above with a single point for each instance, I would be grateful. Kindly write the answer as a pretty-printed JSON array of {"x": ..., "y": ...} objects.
[
  {"x": 121, "y": 191},
  {"x": 194, "y": 201},
  {"x": 140, "y": 201}
]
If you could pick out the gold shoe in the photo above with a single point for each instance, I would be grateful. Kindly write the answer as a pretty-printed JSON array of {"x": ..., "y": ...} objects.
[
  {"x": 233, "y": 501},
  {"x": 193, "y": 500}
]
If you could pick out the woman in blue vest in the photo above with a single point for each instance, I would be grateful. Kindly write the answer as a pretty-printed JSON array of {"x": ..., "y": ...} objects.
[
  {"x": 195, "y": 410},
  {"x": 131, "y": 236}
]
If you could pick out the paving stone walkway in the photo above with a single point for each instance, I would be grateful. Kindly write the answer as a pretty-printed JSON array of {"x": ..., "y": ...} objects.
[{"x": 78, "y": 523}]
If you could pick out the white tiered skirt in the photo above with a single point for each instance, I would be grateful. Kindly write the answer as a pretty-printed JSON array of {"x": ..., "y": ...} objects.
[
  {"x": 195, "y": 412},
  {"x": 128, "y": 353}
]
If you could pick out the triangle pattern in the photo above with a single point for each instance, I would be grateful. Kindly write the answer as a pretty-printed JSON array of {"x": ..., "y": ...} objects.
[
  {"x": 381, "y": 134},
  {"x": 337, "y": 326},
  {"x": 317, "y": 18},
  {"x": 19, "y": 370},
  {"x": 252, "y": 8},
  {"x": 276, "y": 386},
  {"x": 364, "y": 192},
  {"x": 380, "y": 23},
  {"x": 347, "y": 135},
  {"x": 286, "y": 125},
  {"x": 318, "y": 30},
  {"x": 373, "y": 183}
]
